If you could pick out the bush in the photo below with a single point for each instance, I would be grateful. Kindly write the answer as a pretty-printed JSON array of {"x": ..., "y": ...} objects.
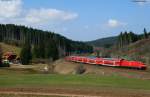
[{"x": 80, "y": 69}]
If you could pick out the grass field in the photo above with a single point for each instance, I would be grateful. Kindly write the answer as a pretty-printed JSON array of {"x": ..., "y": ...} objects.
[
  {"x": 29, "y": 81},
  {"x": 46, "y": 80}
]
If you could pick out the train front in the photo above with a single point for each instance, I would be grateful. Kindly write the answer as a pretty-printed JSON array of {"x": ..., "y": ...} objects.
[{"x": 133, "y": 64}]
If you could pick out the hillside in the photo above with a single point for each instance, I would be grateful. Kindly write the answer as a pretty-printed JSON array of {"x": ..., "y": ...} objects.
[
  {"x": 10, "y": 48},
  {"x": 51, "y": 44},
  {"x": 141, "y": 47},
  {"x": 139, "y": 50},
  {"x": 103, "y": 42}
]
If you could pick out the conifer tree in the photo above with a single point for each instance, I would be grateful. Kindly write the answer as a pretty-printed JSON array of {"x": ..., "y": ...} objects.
[
  {"x": 26, "y": 54},
  {"x": 145, "y": 33},
  {"x": 36, "y": 51},
  {"x": 1, "y": 64}
]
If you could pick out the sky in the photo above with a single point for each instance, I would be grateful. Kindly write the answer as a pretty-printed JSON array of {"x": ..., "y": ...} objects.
[{"x": 81, "y": 20}]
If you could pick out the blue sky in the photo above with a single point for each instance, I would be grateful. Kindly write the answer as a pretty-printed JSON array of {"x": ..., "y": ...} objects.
[{"x": 78, "y": 19}]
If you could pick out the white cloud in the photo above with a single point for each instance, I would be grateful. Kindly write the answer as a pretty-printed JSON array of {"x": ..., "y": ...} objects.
[
  {"x": 141, "y": 3},
  {"x": 144, "y": 2},
  {"x": 12, "y": 11},
  {"x": 49, "y": 15},
  {"x": 113, "y": 23},
  {"x": 10, "y": 8}
]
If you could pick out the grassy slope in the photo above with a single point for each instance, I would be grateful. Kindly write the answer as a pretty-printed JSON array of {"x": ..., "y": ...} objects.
[
  {"x": 141, "y": 47},
  {"x": 139, "y": 50},
  {"x": 8, "y": 48}
]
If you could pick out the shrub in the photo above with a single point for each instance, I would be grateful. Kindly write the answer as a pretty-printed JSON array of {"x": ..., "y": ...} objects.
[{"x": 80, "y": 69}]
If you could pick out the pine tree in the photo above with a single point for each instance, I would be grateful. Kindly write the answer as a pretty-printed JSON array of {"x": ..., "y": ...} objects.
[
  {"x": 52, "y": 50},
  {"x": 26, "y": 54},
  {"x": 121, "y": 40},
  {"x": 48, "y": 49},
  {"x": 145, "y": 33},
  {"x": 1, "y": 56},
  {"x": 36, "y": 51},
  {"x": 131, "y": 37},
  {"x": 126, "y": 39},
  {"x": 42, "y": 49}
]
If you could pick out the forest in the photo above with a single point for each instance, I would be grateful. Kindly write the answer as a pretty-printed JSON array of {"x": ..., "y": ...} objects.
[
  {"x": 41, "y": 44},
  {"x": 127, "y": 38}
]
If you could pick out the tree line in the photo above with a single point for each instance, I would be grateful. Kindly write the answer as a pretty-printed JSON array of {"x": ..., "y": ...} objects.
[
  {"x": 127, "y": 38},
  {"x": 41, "y": 44}
]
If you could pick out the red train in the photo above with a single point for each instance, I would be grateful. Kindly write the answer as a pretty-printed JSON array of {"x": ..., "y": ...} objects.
[{"x": 107, "y": 62}]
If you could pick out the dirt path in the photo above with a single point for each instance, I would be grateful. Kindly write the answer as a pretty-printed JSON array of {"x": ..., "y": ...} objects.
[
  {"x": 46, "y": 94},
  {"x": 70, "y": 92}
]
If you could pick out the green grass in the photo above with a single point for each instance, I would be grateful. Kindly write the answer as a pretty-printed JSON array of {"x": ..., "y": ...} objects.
[{"x": 48, "y": 80}]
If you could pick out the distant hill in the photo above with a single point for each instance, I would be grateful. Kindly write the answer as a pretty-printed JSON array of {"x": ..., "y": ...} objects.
[
  {"x": 103, "y": 42},
  {"x": 127, "y": 45}
]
